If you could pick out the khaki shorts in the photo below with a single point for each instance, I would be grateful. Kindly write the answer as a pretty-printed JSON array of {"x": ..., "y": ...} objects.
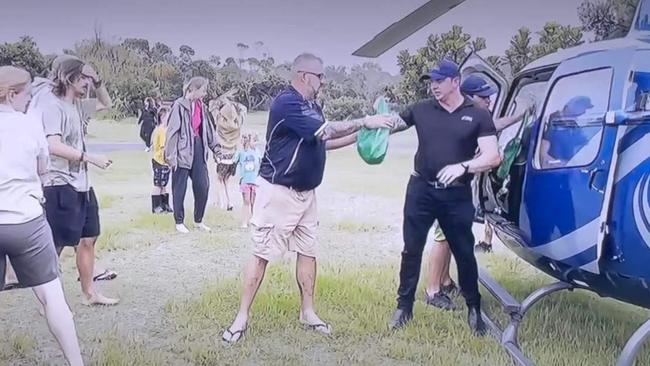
[
  {"x": 438, "y": 235},
  {"x": 283, "y": 220}
]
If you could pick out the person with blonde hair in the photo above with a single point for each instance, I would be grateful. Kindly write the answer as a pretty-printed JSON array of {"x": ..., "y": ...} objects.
[
  {"x": 190, "y": 133},
  {"x": 71, "y": 205},
  {"x": 229, "y": 117},
  {"x": 25, "y": 236},
  {"x": 248, "y": 161}
]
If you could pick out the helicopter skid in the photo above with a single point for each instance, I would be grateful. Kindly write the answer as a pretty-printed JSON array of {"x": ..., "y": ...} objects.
[
  {"x": 508, "y": 336},
  {"x": 516, "y": 312}
]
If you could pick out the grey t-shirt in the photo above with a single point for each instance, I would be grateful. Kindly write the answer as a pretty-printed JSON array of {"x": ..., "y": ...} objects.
[{"x": 66, "y": 120}]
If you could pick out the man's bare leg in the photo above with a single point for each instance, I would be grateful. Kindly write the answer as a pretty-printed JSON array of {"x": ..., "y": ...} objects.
[
  {"x": 253, "y": 276},
  {"x": 445, "y": 279},
  {"x": 85, "y": 265},
  {"x": 438, "y": 266},
  {"x": 59, "y": 319},
  {"x": 306, "y": 278},
  {"x": 10, "y": 275}
]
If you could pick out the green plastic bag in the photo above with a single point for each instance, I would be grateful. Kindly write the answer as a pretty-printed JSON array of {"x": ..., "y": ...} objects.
[
  {"x": 372, "y": 145},
  {"x": 513, "y": 148}
]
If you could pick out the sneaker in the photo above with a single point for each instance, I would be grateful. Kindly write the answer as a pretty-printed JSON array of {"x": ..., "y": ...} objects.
[
  {"x": 201, "y": 226},
  {"x": 483, "y": 247},
  {"x": 450, "y": 290},
  {"x": 439, "y": 300},
  {"x": 182, "y": 229}
]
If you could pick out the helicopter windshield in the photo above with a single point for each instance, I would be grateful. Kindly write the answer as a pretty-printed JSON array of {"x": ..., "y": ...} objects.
[
  {"x": 527, "y": 95},
  {"x": 643, "y": 19}
]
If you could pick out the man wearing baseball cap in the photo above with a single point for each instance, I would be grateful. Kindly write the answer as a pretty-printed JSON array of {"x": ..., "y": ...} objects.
[
  {"x": 440, "y": 287},
  {"x": 450, "y": 127}
]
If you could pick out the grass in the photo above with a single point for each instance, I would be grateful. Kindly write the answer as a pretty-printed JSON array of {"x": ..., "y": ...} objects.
[
  {"x": 360, "y": 212},
  {"x": 358, "y": 302},
  {"x": 118, "y": 352},
  {"x": 19, "y": 345}
]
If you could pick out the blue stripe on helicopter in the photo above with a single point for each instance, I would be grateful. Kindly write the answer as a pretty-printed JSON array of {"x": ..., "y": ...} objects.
[
  {"x": 632, "y": 135},
  {"x": 582, "y": 258}
]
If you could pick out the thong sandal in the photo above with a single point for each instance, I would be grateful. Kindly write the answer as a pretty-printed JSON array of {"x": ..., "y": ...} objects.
[
  {"x": 234, "y": 337},
  {"x": 104, "y": 276},
  {"x": 10, "y": 286},
  {"x": 320, "y": 327}
]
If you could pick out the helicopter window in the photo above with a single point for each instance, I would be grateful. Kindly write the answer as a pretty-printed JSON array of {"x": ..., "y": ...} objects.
[
  {"x": 527, "y": 95},
  {"x": 639, "y": 88},
  {"x": 643, "y": 21},
  {"x": 573, "y": 120}
]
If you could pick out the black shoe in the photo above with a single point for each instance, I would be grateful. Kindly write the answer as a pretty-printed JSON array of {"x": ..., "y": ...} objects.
[
  {"x": 483, "y": 247},
  {"x": 165, "y": 203},
  {"x": 400, "y": 319},
  {"x": 475, "y": 321},
  {"x": 439, "y": 300},
  {"x": 450, "y": 290},
  {"x": 156, "y": 204}
]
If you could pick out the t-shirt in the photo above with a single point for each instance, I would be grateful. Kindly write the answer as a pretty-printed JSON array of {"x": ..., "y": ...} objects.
[
  {"x": 158, "y": 141},
  {"x": 248, "y": 165},
  {"x": 64, "y": 119},
  {"x": 295, "y": 156},
  {"x": 446, "y": 138},
  {"x": 22, "y": 141}
]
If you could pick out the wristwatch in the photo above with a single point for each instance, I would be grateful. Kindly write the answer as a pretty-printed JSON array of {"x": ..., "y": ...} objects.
[{"x": 466, "y": 167}]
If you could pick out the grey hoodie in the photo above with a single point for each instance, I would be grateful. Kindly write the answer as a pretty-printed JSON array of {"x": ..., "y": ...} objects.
[{"x": 179, "y": 144}]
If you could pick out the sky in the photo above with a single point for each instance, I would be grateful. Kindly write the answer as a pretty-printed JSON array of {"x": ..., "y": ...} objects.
[{"x": 332, "y": 29}]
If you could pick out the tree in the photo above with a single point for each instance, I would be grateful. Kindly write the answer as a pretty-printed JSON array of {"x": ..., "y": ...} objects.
[
  {"x": 455, "y": 45},
  {"x": 24, "y": 54},
  {"x": 552, "y": 38},
  {"x": 520, "y": 52},
  {"x": 139, "y": 45},
  {"x": 607, "y": 18}
]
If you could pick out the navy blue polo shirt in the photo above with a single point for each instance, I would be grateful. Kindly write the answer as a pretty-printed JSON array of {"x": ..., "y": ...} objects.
[{"x": 295, "y": 156}]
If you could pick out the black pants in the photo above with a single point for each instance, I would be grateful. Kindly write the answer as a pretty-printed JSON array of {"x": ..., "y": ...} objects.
[
  {"x": 200, "y": 185},
  {"x": 453, "y": 209}
]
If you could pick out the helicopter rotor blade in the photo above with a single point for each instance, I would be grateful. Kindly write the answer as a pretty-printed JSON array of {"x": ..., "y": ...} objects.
[{"x": 403, "y": 28}]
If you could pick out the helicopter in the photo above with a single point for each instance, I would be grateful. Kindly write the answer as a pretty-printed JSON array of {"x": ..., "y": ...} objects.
[{"x": 573, "y": 199}]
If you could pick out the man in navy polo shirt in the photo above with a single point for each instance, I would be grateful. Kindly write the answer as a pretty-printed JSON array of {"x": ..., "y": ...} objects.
[
  {"x": 284, "y": 215},
  {"x": 450, "y": 127}
]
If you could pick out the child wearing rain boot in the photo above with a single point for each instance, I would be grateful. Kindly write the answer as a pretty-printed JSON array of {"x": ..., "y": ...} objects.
[{"x": 159, "y": 195}]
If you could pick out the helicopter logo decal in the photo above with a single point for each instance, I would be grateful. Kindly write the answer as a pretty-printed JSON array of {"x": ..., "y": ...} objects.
[{"x": 641, "y": 207}]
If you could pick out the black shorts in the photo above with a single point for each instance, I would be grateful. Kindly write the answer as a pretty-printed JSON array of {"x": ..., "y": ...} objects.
[
  {"x": 72, "y": 215},
  {"x": 160, "y": 174}
]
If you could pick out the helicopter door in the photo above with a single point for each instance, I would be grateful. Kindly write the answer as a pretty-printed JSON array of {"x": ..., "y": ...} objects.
[
  {"x": 565, "y": 186},
  {"x": 474, "y": 64}
]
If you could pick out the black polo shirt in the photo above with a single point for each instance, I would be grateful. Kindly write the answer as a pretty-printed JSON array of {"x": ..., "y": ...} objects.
[{"x": 446, "y": 138}]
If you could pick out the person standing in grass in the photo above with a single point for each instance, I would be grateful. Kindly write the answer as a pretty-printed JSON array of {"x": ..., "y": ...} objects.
[
  {"x": 147, "y": 122},
  {"x": 190, "y": 133},
  {"x": 25, "y": 236},
  {"x": 159, "y": 195},
  {"x": 248, "y": 164},
  {"x": 285, "y": 215},
  {"x": 71, "y": 206}
]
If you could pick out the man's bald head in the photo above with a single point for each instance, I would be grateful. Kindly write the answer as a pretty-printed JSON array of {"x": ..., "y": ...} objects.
[
  {"x": 307, "y": 62},
  {"x": 308, "y": 74}
]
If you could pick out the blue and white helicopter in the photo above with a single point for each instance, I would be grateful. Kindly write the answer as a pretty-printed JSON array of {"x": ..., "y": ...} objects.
[{"x": 575, "y": 200}]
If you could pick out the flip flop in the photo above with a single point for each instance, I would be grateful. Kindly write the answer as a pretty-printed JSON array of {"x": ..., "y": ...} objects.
[
  {"x": 104, "y": 276},
  {"x": 320, "y": 327},
  {"x": 235, "y": 336},
  {"x": 10, "y": 286}
]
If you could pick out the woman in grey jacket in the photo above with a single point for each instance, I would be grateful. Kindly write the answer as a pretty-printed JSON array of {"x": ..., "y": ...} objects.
[{"x": 190, "y": 130}]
